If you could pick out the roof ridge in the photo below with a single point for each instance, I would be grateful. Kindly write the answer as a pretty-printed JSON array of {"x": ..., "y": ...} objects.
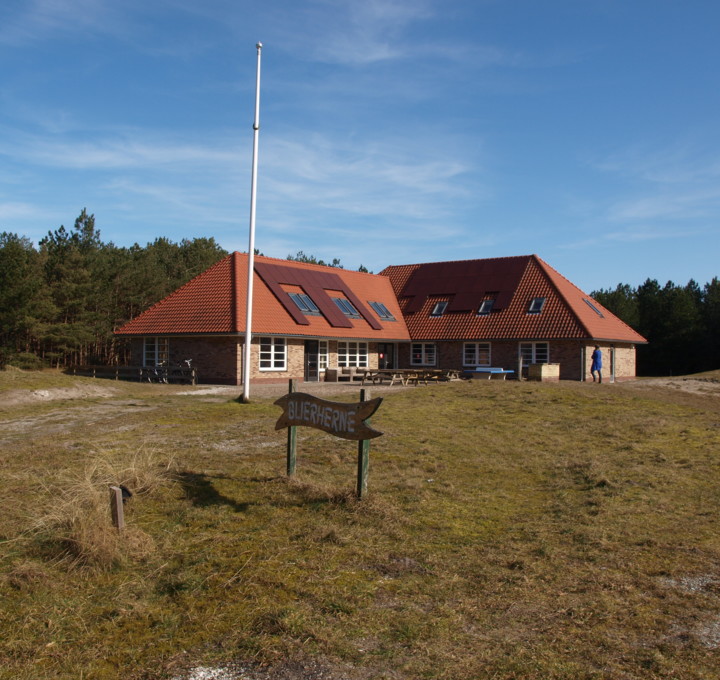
[
  {"x": 296, "y": 263},
  {"x": 474, "y": 259}
]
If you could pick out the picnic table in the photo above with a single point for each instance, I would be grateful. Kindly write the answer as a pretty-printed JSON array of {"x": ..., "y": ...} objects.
[
  {"x": 376, "y": 376},
  {"x": 409, "y": 375}
]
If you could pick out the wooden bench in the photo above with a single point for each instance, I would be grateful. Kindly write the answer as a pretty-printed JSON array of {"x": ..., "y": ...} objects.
[{"x": 351, "y": 373}]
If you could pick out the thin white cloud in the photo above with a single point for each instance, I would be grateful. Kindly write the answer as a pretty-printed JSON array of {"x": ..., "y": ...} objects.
[
  {"x": 673, "y": 184},
  {"x": 13, "y": 210},
  {"x": 114, "y": 151},
  {"x": 679, "y": 163},
  {"x": 375, "y": 180},
  {"x": 353, "y": 33},
  {"x": 37, "y": 20},
  {"x": 669, "y": 205}
]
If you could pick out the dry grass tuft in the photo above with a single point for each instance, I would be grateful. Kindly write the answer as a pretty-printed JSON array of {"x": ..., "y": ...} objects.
[
  {"x": 26, "y": 575},
  {"x": 78, "y": 527}
]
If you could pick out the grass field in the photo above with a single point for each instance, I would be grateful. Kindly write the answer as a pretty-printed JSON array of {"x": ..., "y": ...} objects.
[{"x": 511, "y": 530}]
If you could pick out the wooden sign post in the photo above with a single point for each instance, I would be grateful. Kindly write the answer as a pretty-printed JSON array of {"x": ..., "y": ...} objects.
[
  {"x": 347, "y": 421},
  {"x": 291, "y": 440},
  {"x": 363, "y": 462}
]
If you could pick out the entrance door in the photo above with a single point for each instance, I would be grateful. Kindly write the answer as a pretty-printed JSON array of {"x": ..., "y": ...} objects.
[
  {"x": 386, "y": 355},
  {"x": 312, "y": 374}
]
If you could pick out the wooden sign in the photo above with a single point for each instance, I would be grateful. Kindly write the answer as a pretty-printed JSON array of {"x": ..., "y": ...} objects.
[{"x": 338, "y": 418}]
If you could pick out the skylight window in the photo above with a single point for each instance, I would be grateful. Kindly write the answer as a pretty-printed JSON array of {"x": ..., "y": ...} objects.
[
  {"x": 346, "y": 307},
  {"x": 485, "y": 307},
  {"x": 536, "y": 305},
  {"x": 593, "y": 307},
  {"x": 304, "y": 303},
  {"x": 439, "y": 308},
  {"x": 382, "y": 311}
]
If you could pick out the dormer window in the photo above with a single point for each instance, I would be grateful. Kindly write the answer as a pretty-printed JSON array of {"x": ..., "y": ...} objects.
[
  {"x": 439, "y": 308},
  {"x": 346, "y": 307},
  {"x": 485, "y": 307},
  {"x": 382, "y": 311},
  {"x": 536, "y": 305},
  {"x": 304, "y": 303}
]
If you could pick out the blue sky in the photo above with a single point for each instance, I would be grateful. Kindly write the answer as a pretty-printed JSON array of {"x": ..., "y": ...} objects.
[{"x": 392, "y": 132}]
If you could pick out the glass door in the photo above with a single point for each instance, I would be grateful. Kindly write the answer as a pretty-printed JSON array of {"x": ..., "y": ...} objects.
[
  {"x": 312, "y": 351},
  {"x": 386, "y": 355}
]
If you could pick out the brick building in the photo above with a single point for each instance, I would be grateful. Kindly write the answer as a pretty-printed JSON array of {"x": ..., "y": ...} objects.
[{"x": 312, "y": 322}]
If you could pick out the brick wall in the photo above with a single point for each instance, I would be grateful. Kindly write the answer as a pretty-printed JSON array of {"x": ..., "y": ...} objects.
[
  {"x": 622, "y": 359},
  {"x": 572, "y": 355},
  {"x": 218, "y": 360}
]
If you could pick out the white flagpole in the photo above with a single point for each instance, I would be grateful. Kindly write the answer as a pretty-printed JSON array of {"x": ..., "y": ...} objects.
[{"x": 251, "y": 246}]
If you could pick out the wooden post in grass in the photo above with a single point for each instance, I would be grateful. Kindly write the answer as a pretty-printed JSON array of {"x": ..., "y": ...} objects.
[
  {"x": 363, "y": 456},
  {"x": 116, "y": 507},
  {"x": 291, "y": 440}
]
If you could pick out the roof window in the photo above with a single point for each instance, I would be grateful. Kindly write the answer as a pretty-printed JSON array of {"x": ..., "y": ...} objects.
[
  {"x": 439, "y": 308},
  {"x": 593, "y": 307},
  {"x": 382, "y": 311},
  {"x": 485, "y": 307},
  {"x": 347, "y": 308},
  {"x": 304, "y": 303},
  {"x": 536, "y": 305}
]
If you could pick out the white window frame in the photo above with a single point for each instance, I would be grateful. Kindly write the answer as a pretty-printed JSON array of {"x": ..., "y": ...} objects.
[
  {"x": 352, "y": 353},
  {"x": 423, "y": 354},
  {"x": 477, "y": 354},
  {"x": 156, "y": 351},
  {"x": 322, "y": 355},
  {"x": 272, "y": 352},
  {"x": 535, "y": 352}
]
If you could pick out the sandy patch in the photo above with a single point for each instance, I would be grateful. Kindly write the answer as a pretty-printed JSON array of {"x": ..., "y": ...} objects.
[{"x": 20, "y": 397}]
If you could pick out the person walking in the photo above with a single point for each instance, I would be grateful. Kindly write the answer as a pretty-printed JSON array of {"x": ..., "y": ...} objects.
[{"x": 596, "y": 366}]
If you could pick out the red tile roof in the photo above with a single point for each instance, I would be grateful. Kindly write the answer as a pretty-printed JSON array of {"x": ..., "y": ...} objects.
[
  {"x": 214, "y": 303},
  {"x": 513, "y": 282}
]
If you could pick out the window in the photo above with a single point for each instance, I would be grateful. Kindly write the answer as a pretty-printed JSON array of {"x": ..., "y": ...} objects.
[
  {"x": 346, "y": 308},
  {"x": 304, "y": 303},
  {"x": 534, "y": 353},
  {"x": 485, "y": 307},
  {"x": 422, "y": 354},
  {"x": 351, "y": 353},
  {"x": 273, "y": 354},
  {"x": 382, "y": 311},
  {"x": 476, "y": 354},
  {"x": 593, "y": 307},
  {"x": 156, "y": 351},
  {"x": 439, "y": 308},
  {"x": 322, "y": 354},
  {"x": 536, "y": 305}
]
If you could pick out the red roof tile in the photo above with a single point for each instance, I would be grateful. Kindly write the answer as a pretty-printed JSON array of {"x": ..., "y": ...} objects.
[
  {"x": 214, "y": 303},
  {"x": 513, "y": 282}
]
